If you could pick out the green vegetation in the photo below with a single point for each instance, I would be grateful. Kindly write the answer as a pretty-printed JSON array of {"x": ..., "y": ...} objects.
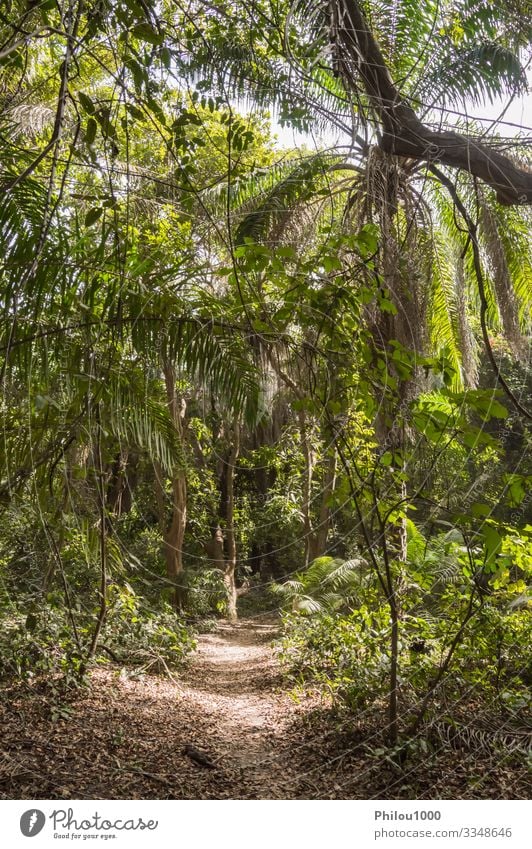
[{"x": 239, "y": 377}]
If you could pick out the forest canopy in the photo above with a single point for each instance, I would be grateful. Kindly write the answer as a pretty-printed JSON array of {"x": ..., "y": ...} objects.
[{"x": 244, "y": 374}]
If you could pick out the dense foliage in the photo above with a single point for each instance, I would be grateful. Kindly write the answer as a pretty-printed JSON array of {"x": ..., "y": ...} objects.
[{"x": 240, "y": 373}]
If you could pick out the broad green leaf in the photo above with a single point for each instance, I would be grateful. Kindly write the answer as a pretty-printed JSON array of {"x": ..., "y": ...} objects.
[{"x": 93, "y": 215}]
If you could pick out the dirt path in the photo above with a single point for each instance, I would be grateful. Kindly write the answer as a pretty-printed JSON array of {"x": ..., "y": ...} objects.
[
  {"x": 125, "y": 738},
  {"x": 235, "y": 683}
]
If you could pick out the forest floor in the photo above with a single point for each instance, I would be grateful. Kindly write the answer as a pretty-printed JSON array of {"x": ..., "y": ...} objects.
[{"x": 124, "y": 738}]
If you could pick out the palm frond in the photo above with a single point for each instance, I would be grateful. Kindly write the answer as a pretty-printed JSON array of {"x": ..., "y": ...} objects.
[
  {"x": 497, "y": 252},
  {"x": 274, "y": 207},
  {"x": 344, "y": 573},
  {"x": 137, "y": 418},
  {"x": 443, "y": 317},
  {"x": 481, "y": 72},
  {"x": 326, "y": 584},
  {"x": 306, "y": 604}
]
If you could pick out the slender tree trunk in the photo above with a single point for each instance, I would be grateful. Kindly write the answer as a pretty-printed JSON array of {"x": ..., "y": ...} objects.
[
  {"x": 395, "y": 548},
  {"x": 318, "y": 546},
  {"x": 175, "y": 536},
  {"x": 117, "y": 482},
  {"x": 392, "y": 589},
  {"x": 308, "y": 469},
  {"x": 102, "y": 613},
  {"x": 393, "y": 716},
  {"x": 214, "y": 549},
  {"x": 122, "y": 482},
  {"x": 174, "y": 533},
  {"x": 308, "y": 456},
  {"x": 228, "y": 511},
  {"x": 264, "y": 479},
  {"x": 383, "y": 201}
]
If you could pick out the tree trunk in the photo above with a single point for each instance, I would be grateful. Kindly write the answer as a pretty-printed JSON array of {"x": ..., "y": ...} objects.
[
  {"x": 308, "y": 455},
  {"x": 359, "y": 59},
  {"x": 390, "y": 429},
  {"x": 306, "y": 499},
  {"x": 121, "y": 482},
  {"x": 264, "y": 477},
  {"x": 318, "y": 546},
  {"x": 393, "y": 716},
  {"x": 228, "y": 509},
  {"x": 174, "y": 533},
  {"x": 100, "y": 487}
]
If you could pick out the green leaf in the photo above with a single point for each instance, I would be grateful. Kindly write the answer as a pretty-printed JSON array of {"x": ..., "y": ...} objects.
[
  {"x": 147, "y": 33},
  {"x": 367, "y": 240},
  {"x": 517, "y": 488},
  {"x": 387, "y": 306},
  {"x": 138, "y": 73},
  {"x": 93, "y": 215},
  {"x": 135, "y": 112},
  {"x": 492, "y": 542},
  {"x": 135, "y": 7},
  {"x": 90, "y": 132},
  {"x": 87, "y": 102},
  {"x": 331, "y": 263}
]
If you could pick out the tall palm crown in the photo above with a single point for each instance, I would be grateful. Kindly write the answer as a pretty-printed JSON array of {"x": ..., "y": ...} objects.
[
  {"x": 304, "y": 59},
  {"x": 431, "y": 62}
]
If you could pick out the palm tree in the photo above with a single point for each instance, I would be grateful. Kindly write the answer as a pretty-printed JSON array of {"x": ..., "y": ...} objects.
[
  {"x": 412, "y": 251},
  {"x": 448, "y": 247}
]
